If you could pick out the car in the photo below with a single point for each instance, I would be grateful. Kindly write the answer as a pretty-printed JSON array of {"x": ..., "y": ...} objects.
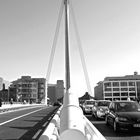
[
  {"x": 100, "y": 109},
  {"x": 123, "y": 115},
  {"x": 87, "y": 106},
  {"x": 57, "y": 104}
]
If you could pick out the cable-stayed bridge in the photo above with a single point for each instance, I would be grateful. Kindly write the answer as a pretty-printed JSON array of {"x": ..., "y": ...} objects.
[
  {"x": 70, "y": 122},
  {"x": 43, "y": 122}
]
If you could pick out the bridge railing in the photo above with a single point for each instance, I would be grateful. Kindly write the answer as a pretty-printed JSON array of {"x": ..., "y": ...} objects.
[{"x": 52, "y": 132}]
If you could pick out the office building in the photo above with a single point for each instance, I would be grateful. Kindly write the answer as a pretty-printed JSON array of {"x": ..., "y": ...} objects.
[
  {"x": 118, "y": 88},
  {"x": 56, "y": 91},
  {"x": 29, "y": 89}
]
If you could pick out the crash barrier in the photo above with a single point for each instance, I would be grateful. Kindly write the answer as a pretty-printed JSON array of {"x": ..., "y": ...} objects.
[{"x": 52, "y": 132}]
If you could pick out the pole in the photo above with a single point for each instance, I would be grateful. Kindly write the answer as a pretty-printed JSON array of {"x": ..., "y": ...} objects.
[
  {"x": 67, "y": 64},
  {"x": 71, "y": 116}
]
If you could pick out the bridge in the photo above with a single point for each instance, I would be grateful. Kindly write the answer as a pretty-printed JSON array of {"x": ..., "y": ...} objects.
[
  {"x": 69, "y": 122},
  {"x": 43, "y": 122},
  {"x": 64, "y": 123}
]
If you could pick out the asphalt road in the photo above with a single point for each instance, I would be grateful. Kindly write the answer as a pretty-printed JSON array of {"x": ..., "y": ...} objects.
[
  {"x": 108, "y": 132},
  {"x": 26, "y": 124}
]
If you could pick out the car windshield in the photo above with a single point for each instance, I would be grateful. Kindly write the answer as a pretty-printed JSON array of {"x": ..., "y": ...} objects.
[
  {"x": 127, "y": 107},
  {"x": 103, "y": 103},
  {"x": 90, "y": 102}
]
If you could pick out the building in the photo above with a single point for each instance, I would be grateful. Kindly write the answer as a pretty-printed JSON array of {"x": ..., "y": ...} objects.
[
  {"x": 4, "y": 94},
  {"x": 118, "y": 88},
  {"x": 29, "y": 89},
  {"x": 1, "y": 83},
  {"x": 56, "y": 91},
  {"x": 41, "y": 88}
]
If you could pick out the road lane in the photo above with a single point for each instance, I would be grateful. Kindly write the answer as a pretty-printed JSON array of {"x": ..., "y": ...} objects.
[
  {"x": 27, "y": 127},
  {"x": 108, "y": 132},
  {"x": 19, "y": 117},
  {"x": 6, "y": 116}
]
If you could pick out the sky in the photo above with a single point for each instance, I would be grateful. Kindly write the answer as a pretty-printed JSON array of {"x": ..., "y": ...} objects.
[{"x": 109, "y": 32}]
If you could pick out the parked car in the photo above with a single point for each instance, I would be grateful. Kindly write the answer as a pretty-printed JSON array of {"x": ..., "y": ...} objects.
[
  {"x": 123, "y": 115},
  {"x": 100, "y": 108},
  {"x": 87, "y": 106}
]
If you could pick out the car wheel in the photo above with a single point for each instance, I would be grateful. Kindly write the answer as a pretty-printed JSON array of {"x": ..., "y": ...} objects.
[
  {"x": 106, "y": 120},
  {"x": 115, "y": 127}
]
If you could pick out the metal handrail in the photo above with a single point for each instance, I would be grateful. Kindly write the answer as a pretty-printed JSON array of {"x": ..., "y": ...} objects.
[{"x": 52, "y": 132}]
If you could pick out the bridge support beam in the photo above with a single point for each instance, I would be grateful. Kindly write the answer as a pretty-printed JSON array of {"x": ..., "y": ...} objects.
[{"x": 72, "y": 125}]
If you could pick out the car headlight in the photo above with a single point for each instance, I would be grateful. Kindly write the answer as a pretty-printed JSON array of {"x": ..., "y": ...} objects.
[{"x": 121, "y": 119}]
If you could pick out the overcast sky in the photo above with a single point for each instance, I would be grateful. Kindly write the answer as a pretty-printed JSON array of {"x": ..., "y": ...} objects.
[{"x": 109, "y": 32}]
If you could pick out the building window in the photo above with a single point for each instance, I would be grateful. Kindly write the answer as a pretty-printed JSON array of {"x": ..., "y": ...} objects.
[
  {"x": 41, "y": 90},
  {"x": 107, "y": 89},
  {"x": 131, "y": 89},
  {"x": 110, "y": 99},
  {"x": 34, "y": 95},
  {"x": 131, "y": 83},
  {"x": 132, "y": 94},
  {"x": 115, "y": 89},
  {"x": 124, "y": 89},
  {"x": 115, "y": 84},
  {"x": 124, "y": 99},
  {"x": 108, "y": 94},
  {"x": 116, "y": 94},
  {"x": 124, "y": 94},
  {"x": 107, "y": 84},
  {"x": 116, "y": 99},
  {"x": 123, "y": 83},
  {"x": 42, "y": 85}
]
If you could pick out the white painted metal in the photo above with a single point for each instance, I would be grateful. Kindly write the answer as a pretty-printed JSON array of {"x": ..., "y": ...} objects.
[
  {"x": 72, "y": 125},
  {"x": 53, "y": 130},
  {"x": 71, "y": 119}
]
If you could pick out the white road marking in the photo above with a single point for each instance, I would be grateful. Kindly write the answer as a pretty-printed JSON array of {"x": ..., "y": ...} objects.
[
  {"x": 50, "y": 118},
  {"x": 38, "y": 132},
  {"x": 45, "y": 124},
  {"x": 19, "y": 117}
]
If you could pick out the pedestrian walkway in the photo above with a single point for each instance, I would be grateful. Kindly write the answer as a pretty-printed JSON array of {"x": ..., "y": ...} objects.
[
  {"x": 4, "y": 106},
  {"x": 15, "y": 105}
]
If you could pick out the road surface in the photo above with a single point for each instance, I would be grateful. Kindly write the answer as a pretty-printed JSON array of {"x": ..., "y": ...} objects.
[
  {"x": 108, "y": 132},
  {"x": 25, "y": 124}
]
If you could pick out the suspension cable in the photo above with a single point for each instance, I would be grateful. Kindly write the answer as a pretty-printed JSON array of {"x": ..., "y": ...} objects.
[
  {"x": 80, "y": 50},
  {"x": 55, "y": 41}
]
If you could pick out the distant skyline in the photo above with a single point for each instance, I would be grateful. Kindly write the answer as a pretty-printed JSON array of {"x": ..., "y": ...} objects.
[{"x": 109, "y": 32}]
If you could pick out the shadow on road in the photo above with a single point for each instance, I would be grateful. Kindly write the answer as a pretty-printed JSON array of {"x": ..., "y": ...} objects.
[{"x": 30, "y": 125}]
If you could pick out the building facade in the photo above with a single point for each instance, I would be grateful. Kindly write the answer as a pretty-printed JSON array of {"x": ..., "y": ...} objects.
[
  {"x": 118, "y": 88},
  {"x": 29, "y": 89},
  {"x": 56, "y": 91},
  {"x": 1, "y": 83},
  {"x": 4, "y": 94}
]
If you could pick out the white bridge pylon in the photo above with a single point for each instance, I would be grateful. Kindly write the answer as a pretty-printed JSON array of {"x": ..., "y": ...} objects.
[
  {"x": 69, "y": 123},
  {"x": 71, "y": 115}
]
